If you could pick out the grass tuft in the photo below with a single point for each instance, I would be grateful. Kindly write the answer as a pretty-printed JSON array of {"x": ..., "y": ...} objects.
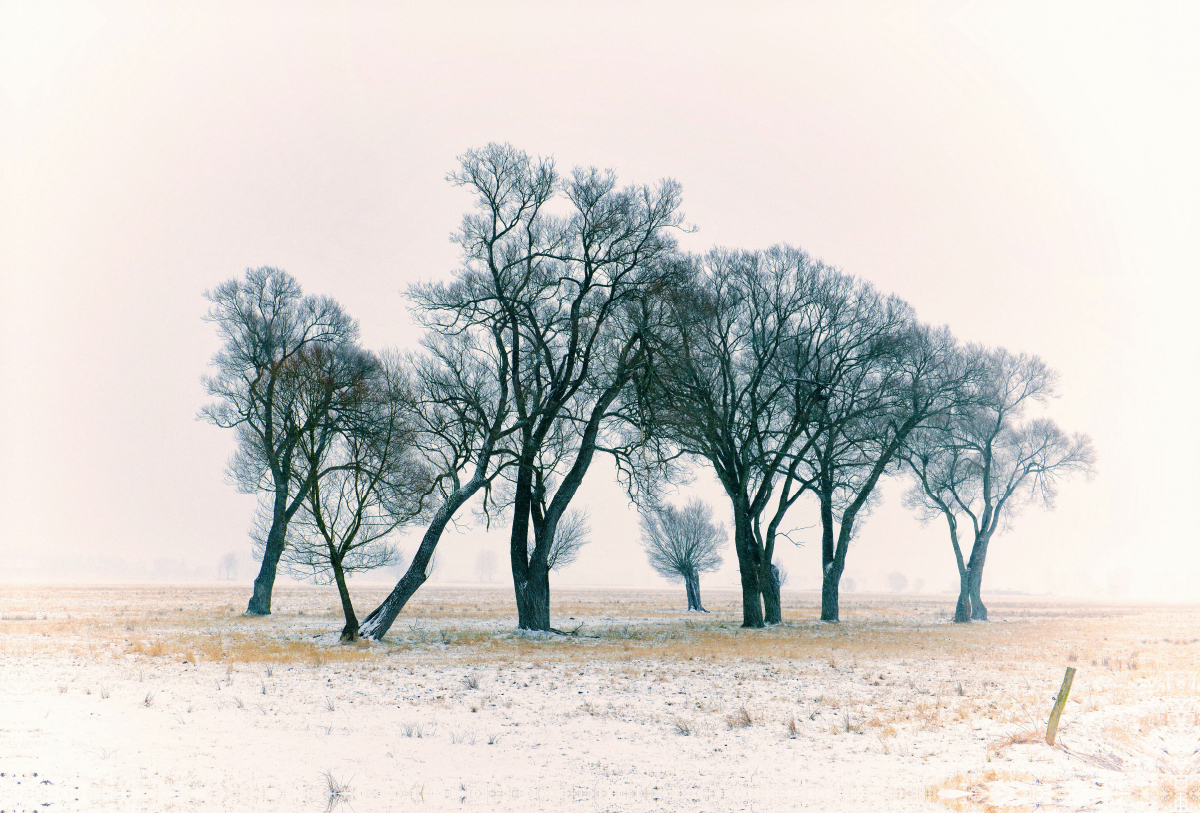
[{"x": 740, "y": 719}]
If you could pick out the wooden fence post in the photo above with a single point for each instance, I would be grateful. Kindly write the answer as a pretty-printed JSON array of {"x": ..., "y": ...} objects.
[{"x": 1052, "y": 728}]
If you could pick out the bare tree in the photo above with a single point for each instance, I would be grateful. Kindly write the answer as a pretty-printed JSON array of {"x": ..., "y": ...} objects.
[
  {"x": 485, "y": 565},
  {"x": 366, "y": 482},
  {"x": 886, "y": 376},
  {"x": 263, "y": 389},
  {"x": 227, "y": 567},
  {"x": 985, "y": 463},
  {"x": 462, "y": 418},
  {"x": 565, "y": 296},
  {"x": 682, "y": 543},
  {"x": 731, "y": 387},
  {"x": 897, "y": 581}
]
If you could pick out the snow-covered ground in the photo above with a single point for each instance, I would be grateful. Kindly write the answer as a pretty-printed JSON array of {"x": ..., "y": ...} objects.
[{"x": 156, "y": 698}]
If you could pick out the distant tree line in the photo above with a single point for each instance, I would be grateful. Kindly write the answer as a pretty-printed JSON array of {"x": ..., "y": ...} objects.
[{"x": 575, "y": 325}]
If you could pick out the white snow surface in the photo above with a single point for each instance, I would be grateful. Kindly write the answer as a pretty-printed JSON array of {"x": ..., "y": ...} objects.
[{"x": 106, "y": 705}]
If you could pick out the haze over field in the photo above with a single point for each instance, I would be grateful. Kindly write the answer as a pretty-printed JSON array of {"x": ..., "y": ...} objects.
[{"x": 1024, "y": 173}]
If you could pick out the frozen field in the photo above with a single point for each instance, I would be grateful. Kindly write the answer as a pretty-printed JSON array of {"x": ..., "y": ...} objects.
[{"x": 157, "y": 698}]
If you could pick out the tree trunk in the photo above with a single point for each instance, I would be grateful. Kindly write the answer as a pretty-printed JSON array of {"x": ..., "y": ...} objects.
[
  {"x": 350, "y": 631},
  {"x": 962, "y": 610},
  {"x": 830, "y": 582},
  {"x": 748, "y": 565},
  {"x": 533, "y": 599},
  {"x": 975, "y": 578},
  {"x": 770, "y": 594},
  {"x": 692, "y": 583},
  {"x": 531, "y": 573},
  {"x": 264, "y": 584},
  {"x": 377, "y": 624},
  {"x": 831, "y": 572},
  {"x": 518, "y": 544}
]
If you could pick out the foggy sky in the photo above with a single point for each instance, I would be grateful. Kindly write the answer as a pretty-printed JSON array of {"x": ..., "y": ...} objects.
[{"x": 1024, "y": 172}]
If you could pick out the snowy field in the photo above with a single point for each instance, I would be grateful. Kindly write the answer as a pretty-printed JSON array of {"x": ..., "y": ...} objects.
[{"x": 158, "y": 698}]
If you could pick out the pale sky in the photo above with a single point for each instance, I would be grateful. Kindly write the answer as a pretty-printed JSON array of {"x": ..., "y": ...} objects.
[{"x": 1024, "y": 172}]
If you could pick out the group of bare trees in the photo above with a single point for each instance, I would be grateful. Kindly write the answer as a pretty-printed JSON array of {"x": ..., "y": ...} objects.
[{"x": 576, "y": 326}]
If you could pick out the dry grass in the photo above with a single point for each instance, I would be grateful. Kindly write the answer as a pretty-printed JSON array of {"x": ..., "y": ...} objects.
[
  {"x": 739, "y": 719},
  {"x": 1023, "y": 735},
  {"x": 471, "y": 626}
]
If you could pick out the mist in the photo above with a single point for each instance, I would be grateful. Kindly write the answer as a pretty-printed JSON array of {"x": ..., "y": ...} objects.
[{"x": 1024, "y": 173}]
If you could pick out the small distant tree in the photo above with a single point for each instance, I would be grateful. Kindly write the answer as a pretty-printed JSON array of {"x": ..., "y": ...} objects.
[
  {"x": 897, "y": 581},
  {"x": 572, "y": 534},
  {"x": 227, "y": 567},
  {"x": 779, "y": 572},
  {"x": 485, "y": 565},
  {"x": 918, "y": 585},
  {"x": 682, "y": 543}
]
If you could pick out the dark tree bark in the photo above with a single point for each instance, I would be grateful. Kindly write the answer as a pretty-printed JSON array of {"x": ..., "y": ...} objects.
[
  {"x": 749, "y": 566},
  {"x": 975, "y": 578},
  {"x": 533, "y": 584},
  {"x": 831, "y": 567},
  {"x": 906, "y": 375},
  {"x": 830, "y": 584},
  {"x": 350, "y": 630},
  {"x": 772, "y": 605},
  {"x": 326, "y": 390},
  {"x": 565, "y": 295},
  {"x": 377, "y": 624},
  {"x": 524, "y": 584},
  {"x": 264, "y": 582},
  {"x": 691, "y": 583},
  {"x": 469, "y": 418},
  {"x": 735, "y": 384},
  {"x": 962, "y": 609}
]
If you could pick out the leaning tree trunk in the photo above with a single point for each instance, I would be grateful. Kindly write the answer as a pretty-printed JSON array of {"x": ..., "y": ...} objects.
[
  {"x": 975, "y": 579},
  {"x": 772, "y": 605},
  {"x": 264, "y": 584},
  {"x": 376, "y": 625},
  {"x": 692, "y": 583},
  {"x": 350, "y": 631}
]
